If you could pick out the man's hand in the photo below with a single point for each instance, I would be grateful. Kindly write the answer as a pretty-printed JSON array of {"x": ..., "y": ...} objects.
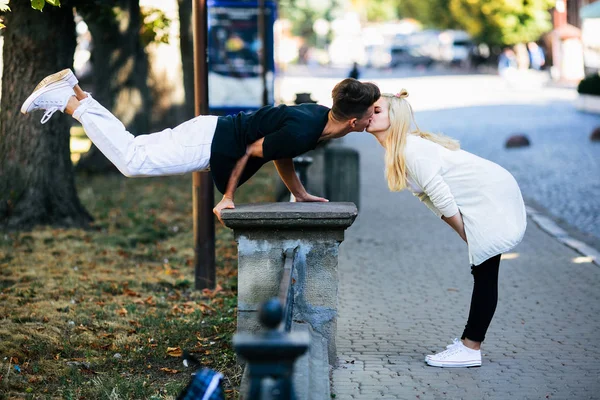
[
  {"x": 309, "y": 197},
  {"x": 225, "y": 202}
]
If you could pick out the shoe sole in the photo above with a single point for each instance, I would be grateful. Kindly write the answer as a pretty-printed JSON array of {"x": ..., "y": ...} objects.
[
  {"x": 36, "y": 94},
  {"x": 447, "y": 364},
  {"x": 64, "y": 75}
]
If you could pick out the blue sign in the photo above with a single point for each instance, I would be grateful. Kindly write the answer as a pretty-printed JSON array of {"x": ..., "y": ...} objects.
[{"x": 234, "y": 55}]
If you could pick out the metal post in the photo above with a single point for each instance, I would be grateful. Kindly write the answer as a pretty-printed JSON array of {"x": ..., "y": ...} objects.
[
  {"x": 262, "y": 34},
  {"x": 202, "y": 185}
]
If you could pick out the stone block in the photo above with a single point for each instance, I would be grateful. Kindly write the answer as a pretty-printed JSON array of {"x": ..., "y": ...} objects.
[{"x": 264, "y": 232}]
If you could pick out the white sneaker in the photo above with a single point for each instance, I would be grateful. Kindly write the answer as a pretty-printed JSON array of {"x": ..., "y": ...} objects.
[
  {"x": 51, "y": 97},
  {"x": 456, "y": 356},
  {"x": 455, "y": 341}
]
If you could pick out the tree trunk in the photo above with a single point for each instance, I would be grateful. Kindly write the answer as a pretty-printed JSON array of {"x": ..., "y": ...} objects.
[
  {"x": 37, "y": 184},
  {"x": 120, "y": 73},
  {"x": 186, "y": 43}
]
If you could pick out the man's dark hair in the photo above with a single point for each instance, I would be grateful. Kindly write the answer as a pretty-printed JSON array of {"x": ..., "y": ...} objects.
[{"x": 352, "y": 99}]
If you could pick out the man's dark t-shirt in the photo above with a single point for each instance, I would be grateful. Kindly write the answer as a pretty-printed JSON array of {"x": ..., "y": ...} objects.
[{"x": 289, "y": 131}]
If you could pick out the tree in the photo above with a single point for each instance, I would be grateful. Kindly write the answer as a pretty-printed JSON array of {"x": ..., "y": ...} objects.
[
  {"x": 432, "y": 13},
  {"x": 37, "y": 184},
  {"x": 120, "y": 66},
  {"x": 186, "y": 43},
  {"x": 496, "y": 22},
  {"x": 36, "y": 177},
  {"x": 503, "y": 22}
]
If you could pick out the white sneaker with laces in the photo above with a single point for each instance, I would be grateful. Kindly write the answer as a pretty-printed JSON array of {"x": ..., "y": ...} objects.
[
  {"x": 455, "y": 356},
  {"x": 455, "y": 341},
  {"x": 51, "y": 97}
]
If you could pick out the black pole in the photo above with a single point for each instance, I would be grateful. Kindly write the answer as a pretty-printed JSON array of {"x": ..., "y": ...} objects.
[
  {"x": 262, "y": 34},
  {"x": 202, "y": 185}
]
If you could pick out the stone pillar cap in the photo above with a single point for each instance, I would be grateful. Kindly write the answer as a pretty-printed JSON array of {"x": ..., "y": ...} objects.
[{"x": 288, "y": 215}]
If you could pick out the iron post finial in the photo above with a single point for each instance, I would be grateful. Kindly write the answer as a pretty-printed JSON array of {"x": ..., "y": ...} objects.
[{"x": 271, "y": 313}]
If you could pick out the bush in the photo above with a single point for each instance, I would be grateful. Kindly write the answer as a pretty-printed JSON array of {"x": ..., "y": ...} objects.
[{"x": 590, "y": 85}]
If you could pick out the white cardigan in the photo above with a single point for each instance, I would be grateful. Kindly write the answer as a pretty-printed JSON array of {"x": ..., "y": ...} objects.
[{"x": 486, "y": 195}]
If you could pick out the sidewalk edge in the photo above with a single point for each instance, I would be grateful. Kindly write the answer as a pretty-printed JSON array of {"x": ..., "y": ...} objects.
[{"x": 549, "y": 226}]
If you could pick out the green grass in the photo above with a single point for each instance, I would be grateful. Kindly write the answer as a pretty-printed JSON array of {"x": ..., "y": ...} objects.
[{"x": 91, "y": 314}]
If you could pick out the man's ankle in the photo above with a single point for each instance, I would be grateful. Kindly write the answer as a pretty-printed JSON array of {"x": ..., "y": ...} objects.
[{"x": 79, "y": 94}]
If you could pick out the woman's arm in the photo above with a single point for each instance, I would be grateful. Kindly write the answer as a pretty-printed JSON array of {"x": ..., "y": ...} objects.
[{"x": 456, "y": 222}]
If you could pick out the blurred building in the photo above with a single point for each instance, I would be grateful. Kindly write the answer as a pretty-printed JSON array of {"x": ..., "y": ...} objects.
[
  {"x": 567, "y": 49},
  {"x": 590, "y": 37},
  {"x": 573, "y": 13}
]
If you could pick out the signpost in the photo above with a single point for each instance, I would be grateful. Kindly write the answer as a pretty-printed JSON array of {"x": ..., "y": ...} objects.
[
  {"x": 202, "y": 185},
  {"x": 234, "y": 68}
]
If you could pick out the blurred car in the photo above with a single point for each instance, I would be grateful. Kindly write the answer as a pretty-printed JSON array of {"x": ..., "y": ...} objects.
[
  {"x": 455, "y": 47},
  {"x": 419, "y": 48},
  {"x": 378, "y": 56}
]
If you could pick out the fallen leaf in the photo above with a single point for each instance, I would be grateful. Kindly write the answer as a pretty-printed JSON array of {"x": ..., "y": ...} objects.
[
  {"x": 206, "y": 309},
  {"x": 212, "y": 293},
  {"x": 169, "y": 370},
  {"x": 135, "y": 323},
  {"x": 174, "y": 351},
  {"x": 122, "y": 312},
  {"x": 107, "y": 335},
  {"x": 176, "y": 309},
  {"x": 150, "y": 301}
]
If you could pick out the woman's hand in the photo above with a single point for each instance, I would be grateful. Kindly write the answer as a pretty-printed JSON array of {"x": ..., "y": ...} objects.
[
  {"x": 226, "y": 202},
  {"x": 456, "y": 222},
  {"x": 309, "y": 198}
]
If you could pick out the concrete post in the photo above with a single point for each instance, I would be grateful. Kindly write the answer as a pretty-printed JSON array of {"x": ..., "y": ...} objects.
[{"x": 263, "y": 233}]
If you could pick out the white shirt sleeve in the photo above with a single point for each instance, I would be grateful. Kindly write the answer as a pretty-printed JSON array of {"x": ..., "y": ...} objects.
[{"x": 426, "y": 173}]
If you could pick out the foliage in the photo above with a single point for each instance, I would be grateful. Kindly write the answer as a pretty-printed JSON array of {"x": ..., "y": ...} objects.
[
  {"x": 35, "y": 4},
  {"x": 590, "y": 85},
  {"x": 3, "y": 8},
  {"x": 39, "y": 4},
  {"x": 496, "y": 22},
  {"x": 381, "y": 10},
  {"x": 503, "y": 22},
  {"x": 303, "y": 13},
  {"x": 155, "y": 27},
  {"x": 103, "y": 313}
]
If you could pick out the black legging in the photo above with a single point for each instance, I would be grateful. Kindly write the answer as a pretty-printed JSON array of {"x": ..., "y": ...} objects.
[{"x": 484, "y": 299}]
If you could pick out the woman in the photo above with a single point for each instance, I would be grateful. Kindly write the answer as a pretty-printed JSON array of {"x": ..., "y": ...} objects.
[
  {"x": 233, "y": 147},
  {"x": 480, "y": 200}
]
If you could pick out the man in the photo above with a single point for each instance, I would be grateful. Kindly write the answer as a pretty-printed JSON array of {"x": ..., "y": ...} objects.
[{"x": 233, "y": 147}]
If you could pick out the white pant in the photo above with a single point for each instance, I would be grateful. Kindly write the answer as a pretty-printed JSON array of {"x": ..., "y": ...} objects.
[{"x": 183, "y": 149}]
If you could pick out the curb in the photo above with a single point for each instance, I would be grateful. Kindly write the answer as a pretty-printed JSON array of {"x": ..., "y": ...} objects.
[{"x": 550, "y": 227}]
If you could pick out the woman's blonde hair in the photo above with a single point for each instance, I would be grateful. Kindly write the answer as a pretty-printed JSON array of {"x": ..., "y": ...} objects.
[{"x": 401, "y": 118}]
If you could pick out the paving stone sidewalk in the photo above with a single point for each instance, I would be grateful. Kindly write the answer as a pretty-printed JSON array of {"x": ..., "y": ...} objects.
[{"x": 405, "y": 288}]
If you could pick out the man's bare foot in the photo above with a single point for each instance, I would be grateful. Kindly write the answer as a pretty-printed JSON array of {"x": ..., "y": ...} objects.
[
  {"x": 72, "y": 105},
  {"x": 79, "y": 93}
]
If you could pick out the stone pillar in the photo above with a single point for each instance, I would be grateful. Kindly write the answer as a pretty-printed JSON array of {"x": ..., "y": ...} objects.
[{"x": 263, "y": 233}]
